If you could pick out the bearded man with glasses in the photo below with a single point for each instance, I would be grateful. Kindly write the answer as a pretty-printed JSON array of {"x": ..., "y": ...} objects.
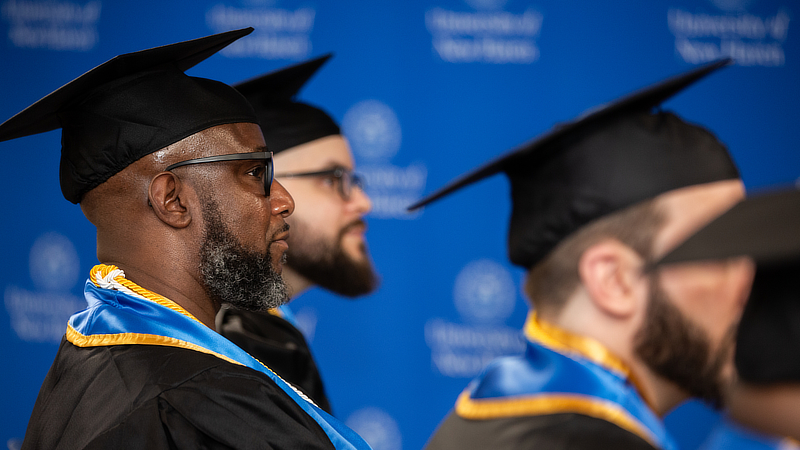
[{"x": 327, "y": 247}]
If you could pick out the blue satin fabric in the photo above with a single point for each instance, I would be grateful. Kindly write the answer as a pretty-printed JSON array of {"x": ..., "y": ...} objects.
[
  {"x": 730, "y": 436},
  {"x": 113, "y": 312},
  {"x": 545, "y": 371},
  {"x": 287, "y": 315}
]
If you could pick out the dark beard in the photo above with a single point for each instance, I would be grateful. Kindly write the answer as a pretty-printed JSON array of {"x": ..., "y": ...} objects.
[
  {"x": 232, "y": 274},
  {"x": 327, "y": 265},
  {"x": 680, "y": 351}
]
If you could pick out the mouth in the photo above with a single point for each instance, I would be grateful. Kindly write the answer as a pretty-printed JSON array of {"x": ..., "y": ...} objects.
[
  {"x": 281, "y": 238},
  {"x": 281, "y": 243},
  {"x": 357, "y": 226}
]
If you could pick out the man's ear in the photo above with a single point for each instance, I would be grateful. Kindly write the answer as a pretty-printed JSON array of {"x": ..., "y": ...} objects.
[
  {"x": 166, "y": 195},
  {"x": 610, "y": 271}
]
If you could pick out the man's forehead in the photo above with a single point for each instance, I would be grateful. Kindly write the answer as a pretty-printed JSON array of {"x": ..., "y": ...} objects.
[{"x": 327, "y": 152}]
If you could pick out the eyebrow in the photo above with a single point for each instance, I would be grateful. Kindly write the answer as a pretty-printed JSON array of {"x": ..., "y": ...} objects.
[
  {"x": 330, "y": 165},
  {"x": 259, "y": 149}
]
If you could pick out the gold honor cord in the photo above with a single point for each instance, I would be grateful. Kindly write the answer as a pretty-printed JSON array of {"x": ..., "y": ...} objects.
[
  {"x": 558, "y": 339},
  {"x": 112, "y": 277},
  {"x": 563, "y": 341}
]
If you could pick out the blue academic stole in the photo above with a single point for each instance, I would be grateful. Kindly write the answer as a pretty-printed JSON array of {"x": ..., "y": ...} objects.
[
  {"x": 127, "y": 314},
  {"x": 562, "y": 373}
]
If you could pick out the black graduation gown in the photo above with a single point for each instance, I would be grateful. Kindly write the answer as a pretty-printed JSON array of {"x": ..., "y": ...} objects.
[
  {"x": 279, "y": 345},
  {"x": 547, "y": 432},
  {"x": 154, "y": 397}
]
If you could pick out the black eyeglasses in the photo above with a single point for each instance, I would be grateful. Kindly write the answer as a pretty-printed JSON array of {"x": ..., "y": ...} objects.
[
  {"x": 346, "y": 179},
  {"x": 265, "y": 156}
]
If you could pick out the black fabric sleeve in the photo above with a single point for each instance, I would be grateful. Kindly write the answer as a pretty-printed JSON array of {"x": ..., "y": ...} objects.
[
  {"x": 248, "y": 413},
  {"x": 154, "y": 397},
  {"x": 197, "y": 414},
  {"x": 277, "y": 343}
]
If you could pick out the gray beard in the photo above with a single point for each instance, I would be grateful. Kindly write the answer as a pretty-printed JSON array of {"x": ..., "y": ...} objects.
[
  {"x": 325, "y": 263},
  {"x": 680, "y": 351},
  {"x": 232, "y": 274}
]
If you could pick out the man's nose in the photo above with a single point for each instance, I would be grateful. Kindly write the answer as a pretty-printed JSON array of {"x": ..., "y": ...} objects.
[{"x": 280, "y": 200}]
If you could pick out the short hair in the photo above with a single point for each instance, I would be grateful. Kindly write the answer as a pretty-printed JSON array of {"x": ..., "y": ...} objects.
[{"x": 551, "y": 282}]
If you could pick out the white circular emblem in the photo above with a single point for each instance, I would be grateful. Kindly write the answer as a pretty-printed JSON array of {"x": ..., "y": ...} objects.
[
  {"x": 54, "y": 263},
  {"x": 372, "y": 129},
  {"x": 484, "y": 292},
  {"x": 732, "y": 5},
  {"x": 377, "y": 427}
]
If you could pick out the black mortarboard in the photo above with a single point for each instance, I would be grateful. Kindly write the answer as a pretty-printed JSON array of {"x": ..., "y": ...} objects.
[
  {"x": 286, "y": 122},
  {"x": 129, "y": 107},
  {"x": 766, "y": 228},
  {"x": 607, "y": 159}
]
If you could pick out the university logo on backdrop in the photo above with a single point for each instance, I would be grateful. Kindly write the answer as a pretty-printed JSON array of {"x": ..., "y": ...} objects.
[
  {"x": 40, "y": 315},
  {"x": 374, "y": 132},
  {"x": 484, "y": 295},
  {"x": 52, "y": 25},
  {"x": 489, "y": 34},
  {"x": 729, "y": 31},
  {"x": 281, "y": 32},
  {"x": 484, "y": 292}
]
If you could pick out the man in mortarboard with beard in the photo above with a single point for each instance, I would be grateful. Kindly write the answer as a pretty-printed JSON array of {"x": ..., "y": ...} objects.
[
  {"x": 174, "y": 173},
  {"x": 611, "y": 346},
  {"x": 327, "y": 246}
]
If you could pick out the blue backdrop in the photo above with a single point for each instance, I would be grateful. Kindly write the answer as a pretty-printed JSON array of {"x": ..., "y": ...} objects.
[{"x": 425, "y": 90}]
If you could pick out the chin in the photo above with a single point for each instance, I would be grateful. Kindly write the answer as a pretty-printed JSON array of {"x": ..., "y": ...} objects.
[
  {"x": 277, "y": 262},
  {"x": 356, "y": 250}
]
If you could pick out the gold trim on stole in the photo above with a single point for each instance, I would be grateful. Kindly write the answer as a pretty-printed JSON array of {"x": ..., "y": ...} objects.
[
  {"x": 562, "y": 341},
  {"x": 103, "y": 340}
]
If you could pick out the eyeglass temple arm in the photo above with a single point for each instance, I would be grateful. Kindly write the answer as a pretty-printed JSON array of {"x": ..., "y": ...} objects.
[
  {"x": 309, "y": 174},
  {"x": 219, "y": 158}
]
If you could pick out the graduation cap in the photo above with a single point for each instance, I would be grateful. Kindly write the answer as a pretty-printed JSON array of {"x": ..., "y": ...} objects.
[
  {"x": 767, "y": 229},
  {"x": 607, "y": 159},
  {"x": 129, "y": 107},
  {"x": 286, "y": 122}
]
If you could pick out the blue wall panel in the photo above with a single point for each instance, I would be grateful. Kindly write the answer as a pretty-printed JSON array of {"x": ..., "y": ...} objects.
[{"x": 425, "y": 90}]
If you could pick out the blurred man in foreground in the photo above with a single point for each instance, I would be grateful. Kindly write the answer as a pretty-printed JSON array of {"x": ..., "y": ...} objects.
[
  {"x": 611, "y": 347},
  {"x": 174, "y": 173},
  {"x": 766, "y": 229},
  {"x": 327, "y": 247}
]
